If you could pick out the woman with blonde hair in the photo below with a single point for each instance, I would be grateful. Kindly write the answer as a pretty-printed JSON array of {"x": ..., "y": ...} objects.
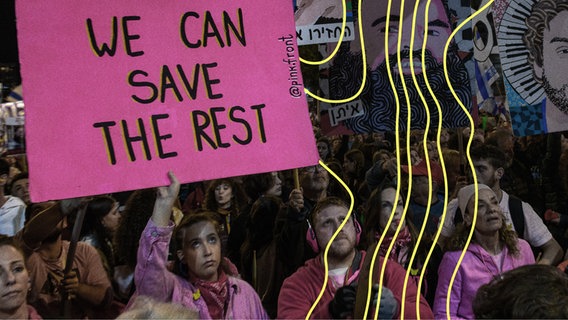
[{"x": 494, "y": 249}]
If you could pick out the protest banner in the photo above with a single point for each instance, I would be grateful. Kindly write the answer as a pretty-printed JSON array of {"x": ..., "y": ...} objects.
[{"x": 118, "y": 93}]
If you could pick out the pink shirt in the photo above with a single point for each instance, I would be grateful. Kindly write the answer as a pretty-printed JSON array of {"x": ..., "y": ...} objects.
[{"x": 477, "y": 268}]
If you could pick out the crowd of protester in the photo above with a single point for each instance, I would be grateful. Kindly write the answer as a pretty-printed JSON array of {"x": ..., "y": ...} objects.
[{"x": 256, "y": 246}]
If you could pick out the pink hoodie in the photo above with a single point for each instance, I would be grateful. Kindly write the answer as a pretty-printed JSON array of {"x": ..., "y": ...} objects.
[
  {"x": 477, "y": 268},
  {"x": 301, "y": 289}
]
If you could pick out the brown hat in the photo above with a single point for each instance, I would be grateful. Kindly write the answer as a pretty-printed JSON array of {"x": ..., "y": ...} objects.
[
  {"x": 421, "y": 169},
  {"x": 42, "y": 219}
]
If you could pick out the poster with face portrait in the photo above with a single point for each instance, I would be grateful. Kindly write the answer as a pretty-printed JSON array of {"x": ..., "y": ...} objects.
[
  {"x": 490, "y": 92},
  {"x": 379, "y": 106},
  {"x": 534, "y": 55}
]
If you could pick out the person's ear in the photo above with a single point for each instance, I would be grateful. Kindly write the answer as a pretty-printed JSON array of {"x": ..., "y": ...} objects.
[
  {"x": 467, "y": 218},
  {"x": 180, "y": 256},
  {"x": 468, "y": 214},
  {"x": 3, "y": 179},
  {"x": 499, "y": 173}
]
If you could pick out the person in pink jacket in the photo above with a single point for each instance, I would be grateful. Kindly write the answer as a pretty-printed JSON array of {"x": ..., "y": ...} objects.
[
  {"x": 493, "y": 250},
  {"x": 301, "y": 289},
  {"x": 205, "y": 281}
]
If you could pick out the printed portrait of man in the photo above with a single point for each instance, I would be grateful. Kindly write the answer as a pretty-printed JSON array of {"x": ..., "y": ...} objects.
[
  {"x": 310, "y": 12},
  {"x": 378, "y": 97},
  {"x": 546, "y": 39}
]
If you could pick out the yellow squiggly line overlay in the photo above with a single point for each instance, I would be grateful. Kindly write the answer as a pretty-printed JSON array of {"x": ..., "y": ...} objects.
[
  {"x": 408, "y": 124},
  {"x": 426, "y": 15},
  {"x": 470, "y": 139},
  {"x": 328, "y": 245},
  {"x": 425, "y": 146},
  {"x": 343, "y": 21}
]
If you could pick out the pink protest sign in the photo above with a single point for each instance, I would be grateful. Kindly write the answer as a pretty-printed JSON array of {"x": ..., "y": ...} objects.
[{"x": 119, "y": 92}]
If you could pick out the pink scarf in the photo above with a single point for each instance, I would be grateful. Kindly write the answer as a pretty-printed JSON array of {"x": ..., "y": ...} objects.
[
  {"x": 402, "y": 241},
  {"x": 214, "y": 293}
]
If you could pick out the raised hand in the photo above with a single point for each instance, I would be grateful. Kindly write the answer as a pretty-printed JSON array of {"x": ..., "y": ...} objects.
[{"x": 165, "y": 200}]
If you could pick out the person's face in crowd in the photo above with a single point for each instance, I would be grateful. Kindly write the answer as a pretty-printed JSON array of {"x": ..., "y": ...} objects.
[
  {"x": 112, "y": 219},
  {"x": 326, "y": 223},
  {"x": 11, "y": 160},
  {"x": 374, "y": 27},
  {"x": 276, "y": 189},
  {"x": 507, "y": 145},
  {"x": 383, "y": 156},
  {"x": 323, "y": 150},
  {"x": 336, "y": 145},
  {"x": 444, "y": 136},
  {"x": 432, "y": 152},
  {"x": 21, "y": 189},
  {"x": 414, "y": 157},
  {"x": 489, "y": 214},
  {"x": 453, "y": 172},
  {"x": 555, "y": 61},
  {"x": 20, "y": 132},
  {"x": 479, "y": 135},
  {"x": 223, "y": 195},
  {"x": 387, "y": 203},
  {"x": 420, "y": 191},
  {"x": 14, "y": 279},
  {"x": 349, "y": 166},
  {"x": 202, "y": 250},
  {"x": 314, "y": 179},
  {"x": 378, "y": 136},
  {"x": 486, "y": 173}
]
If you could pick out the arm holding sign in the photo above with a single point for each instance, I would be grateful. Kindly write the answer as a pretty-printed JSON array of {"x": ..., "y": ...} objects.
[
  {"x": 290, "y": 229},
  {"x": 199, "y": 262},
  {"x": 152, "y": 277}
]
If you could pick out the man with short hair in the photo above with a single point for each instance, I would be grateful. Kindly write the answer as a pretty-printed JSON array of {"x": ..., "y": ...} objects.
[
  {"x": 300, "y": 291},
  {"x": 545, "y": 39},
  {"x": 518, "y": 179},
  {"x": 12, "y": 209},
  {"x": 490, "y": 163},
  {"x": 421, "y": 193}
]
